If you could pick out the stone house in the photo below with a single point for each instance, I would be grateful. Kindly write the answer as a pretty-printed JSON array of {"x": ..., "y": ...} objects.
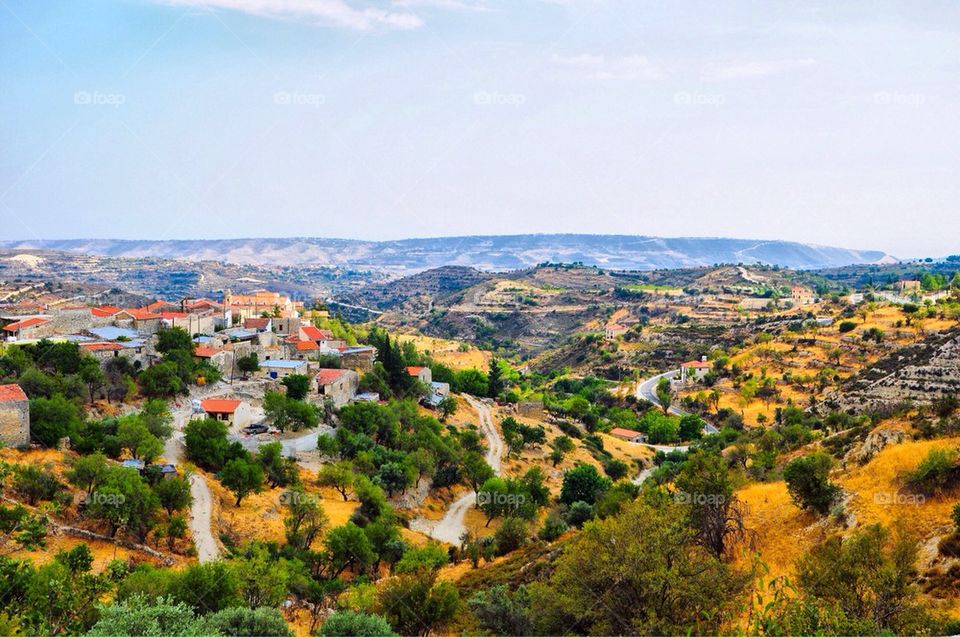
[
  {"x": 28, "y": 329},
  {"x": 302, "y": 350},
  {"x": 259, "y": 302},
  {"x": 422, "y": 374},
  {"x": 801, "y": 295},
  {"x": 360, "y": 358},
  {"x": 140, "y": 320},
  {"x": 103, "y": 351},
  {"x": 613, "y": 331},
  {"x": 191, "y": 322},
  {"x": 282, "y": 368},
  {"x": 14, "y": 416},
  {"x": 287, "y": 325},
  {"x": 220, "y": 358},
  {"x": 258, "y": 324},
  {"x": 340, "y": 385}
]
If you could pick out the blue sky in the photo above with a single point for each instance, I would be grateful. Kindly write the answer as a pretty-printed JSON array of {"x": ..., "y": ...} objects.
[{"x": 833, "y": 123}]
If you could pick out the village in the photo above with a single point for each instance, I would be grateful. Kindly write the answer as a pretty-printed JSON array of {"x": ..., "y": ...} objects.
[{"x": 254, "y": 341}]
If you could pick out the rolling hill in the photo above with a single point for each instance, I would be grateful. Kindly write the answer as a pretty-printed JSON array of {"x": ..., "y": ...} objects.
[{"x": 489, "y": 253}]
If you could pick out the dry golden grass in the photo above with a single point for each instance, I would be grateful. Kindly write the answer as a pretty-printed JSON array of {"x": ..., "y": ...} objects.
[
  {"x": 260, "y": 515},
  {"x": 103, "y": 552},
  {"x": 448, "y": 352},
  {"x": 782, "y": 531},
  {"x": 879, "y": 495}
]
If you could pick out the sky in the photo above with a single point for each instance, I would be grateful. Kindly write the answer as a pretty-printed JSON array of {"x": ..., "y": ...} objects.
[{"x": 834, "y": 123}]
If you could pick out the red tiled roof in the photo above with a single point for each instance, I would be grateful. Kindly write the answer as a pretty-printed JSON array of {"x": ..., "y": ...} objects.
[
  {"x": 206, "y": 352},
  {"x": 312, "y": 333},
  {"x": 99, "y": 347},
  {"x": 307, "y": 346},
  {"x": 140, "y": 314},
  {"x": 219, "y": 405},
  {"x": 256, "y": 323},
  {"x": 30, "y": 322},
  {"x": 10, "y": 393},
  {"x": 327, "y": 376},
  {"x": 104, "y": 310},
  {"x": 624, "y": 433},
  {"x": 156, "y": 305},
  {"x": 173, "y": 315},
  {"x": 201, "y": 303},
  {"x": 697, "y": 364},
  {"x": 415, "y": 371}
]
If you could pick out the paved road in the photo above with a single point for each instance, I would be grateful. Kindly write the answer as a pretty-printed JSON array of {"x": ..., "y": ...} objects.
[
  {"x": 647, "y": 390},
  {"x": 450, "y": 527},
  {"x": 306, "y": 442}
]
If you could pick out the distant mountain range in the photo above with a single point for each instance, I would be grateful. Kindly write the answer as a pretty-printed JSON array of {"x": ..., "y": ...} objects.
[{"x": 491, "y": 253}]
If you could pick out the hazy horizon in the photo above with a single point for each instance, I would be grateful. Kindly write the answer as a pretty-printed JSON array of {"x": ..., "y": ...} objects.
[
  {"x": 453, "y": 236},
  {"x": 385, "y": 119}
]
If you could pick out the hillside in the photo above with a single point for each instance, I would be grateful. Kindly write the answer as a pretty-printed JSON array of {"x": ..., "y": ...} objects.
[
  {"x": 492, "y": 253},
  {"x": 534, "y": 310},
  {"x": 919, "y": 373}
]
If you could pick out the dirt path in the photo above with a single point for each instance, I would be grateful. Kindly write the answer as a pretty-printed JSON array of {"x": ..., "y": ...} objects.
[
  {"x": 450, "y": 527},
  {"x": 201, "y": 511},
  {"x": 200, "y": 519}
]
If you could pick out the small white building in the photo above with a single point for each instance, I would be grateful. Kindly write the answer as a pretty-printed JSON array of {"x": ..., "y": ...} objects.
[
  {"x": 694, "y": 370},
  {"x": 231, "y": 411},
  {"x": 628, "y": 434}
]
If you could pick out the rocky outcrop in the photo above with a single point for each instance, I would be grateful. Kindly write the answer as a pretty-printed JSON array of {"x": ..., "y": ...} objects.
[{"x": 874, "y": 443}]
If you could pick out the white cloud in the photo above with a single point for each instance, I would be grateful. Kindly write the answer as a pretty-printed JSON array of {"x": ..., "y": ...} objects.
[
  {"x": 451, "y": 5},
  {"x": 750, "y": 69},
  {"x": 335, "y": 13},
  {"x": 600, "y": 67}
]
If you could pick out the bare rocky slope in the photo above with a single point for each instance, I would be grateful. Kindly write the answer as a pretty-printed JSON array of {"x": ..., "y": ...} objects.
[{"x": 918, "y": 373}]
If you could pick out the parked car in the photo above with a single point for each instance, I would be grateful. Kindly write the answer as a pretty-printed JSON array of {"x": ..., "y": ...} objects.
[{"x": 255, "y": 429}]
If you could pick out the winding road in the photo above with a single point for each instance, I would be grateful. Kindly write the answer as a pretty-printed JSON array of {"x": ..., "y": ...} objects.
[
  {"x": 647, "y": 390},
  {"x": 450, "y": 527}
]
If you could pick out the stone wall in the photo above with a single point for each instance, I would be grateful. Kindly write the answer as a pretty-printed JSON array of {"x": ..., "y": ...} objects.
[
  {"x": 74, "y": 320},
  {"x": 15, "y": 423}
]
